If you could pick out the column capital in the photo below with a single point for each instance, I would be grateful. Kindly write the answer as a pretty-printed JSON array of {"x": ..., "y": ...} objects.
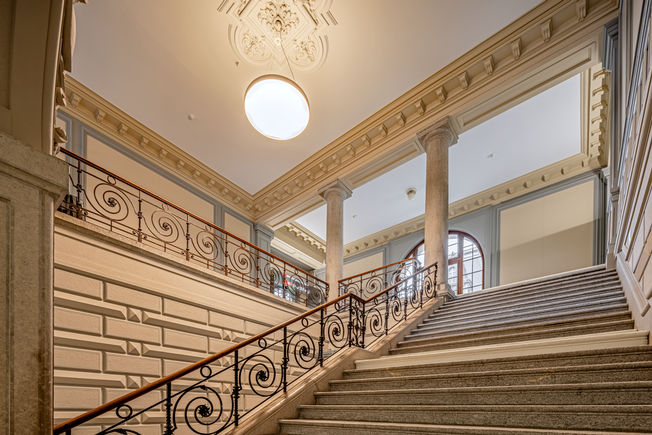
[
  {"x": 336, "y": 186},
  {"x": 440, "y": 131}
]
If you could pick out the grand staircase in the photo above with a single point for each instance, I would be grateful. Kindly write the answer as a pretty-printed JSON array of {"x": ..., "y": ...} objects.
[{"x": 555, "y": 356}]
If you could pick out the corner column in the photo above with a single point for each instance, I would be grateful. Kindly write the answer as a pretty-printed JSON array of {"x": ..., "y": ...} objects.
[
  {"x": 435, "y": 141},
  {"x": 334, "y": 194}
]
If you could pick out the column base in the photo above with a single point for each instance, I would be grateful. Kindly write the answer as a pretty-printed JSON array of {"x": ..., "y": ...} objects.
[{"x": 445, "y": 290}]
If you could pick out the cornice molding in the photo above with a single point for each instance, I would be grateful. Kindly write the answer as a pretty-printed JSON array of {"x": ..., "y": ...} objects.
[
  {"x": 532, "y": 52},
  {"x": 95, "y": 111},
  {"x": 544, "y": 35}
]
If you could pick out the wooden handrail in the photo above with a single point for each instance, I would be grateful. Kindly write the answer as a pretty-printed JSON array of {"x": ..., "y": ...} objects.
[
  {"x": 182, "y": 210},
  {"x": 376, "y": 269},
  {"x": 88, "y": 415}
]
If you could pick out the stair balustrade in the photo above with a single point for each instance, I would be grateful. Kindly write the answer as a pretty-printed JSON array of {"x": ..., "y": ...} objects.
[
  {"x": 99, "y": 196},
  {"x": 368, "y": 283},
  {"x": 213, "y": 394}
]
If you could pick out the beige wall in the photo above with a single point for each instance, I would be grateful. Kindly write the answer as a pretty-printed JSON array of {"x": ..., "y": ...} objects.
[
  {"x": 547, "y": 235},
  {"x": 237, "y": 226},
  {"x": 125, "y": 316},
  {"x": 363, "y": 264}
]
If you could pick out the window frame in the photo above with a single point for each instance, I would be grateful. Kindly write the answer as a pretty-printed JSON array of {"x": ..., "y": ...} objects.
[{"x": 459, "y": 260}]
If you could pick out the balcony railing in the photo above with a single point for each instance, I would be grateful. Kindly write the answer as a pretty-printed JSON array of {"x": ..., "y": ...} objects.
[
  {"x": 215, "y": 393},
  {"x": 369, "y": 283},
  {"x": 120, "y": 206}
]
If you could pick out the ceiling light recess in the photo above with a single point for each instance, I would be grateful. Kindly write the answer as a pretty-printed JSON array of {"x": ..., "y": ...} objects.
[{"x": 277, "y": 107}]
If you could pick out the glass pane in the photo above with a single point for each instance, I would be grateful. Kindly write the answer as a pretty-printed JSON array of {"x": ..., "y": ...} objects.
[
  {"x": 477, "y": 264},
  {"x": 477, "y": 279},
  {"x": 469, "y": 249},
  {"x": 467, "y": 283},
  {"x": 452, "y": 271},
  {"x": 453, "y": 248}
]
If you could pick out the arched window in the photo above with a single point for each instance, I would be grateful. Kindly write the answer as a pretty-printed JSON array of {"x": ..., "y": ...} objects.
[{"x": 465, "y": 262}]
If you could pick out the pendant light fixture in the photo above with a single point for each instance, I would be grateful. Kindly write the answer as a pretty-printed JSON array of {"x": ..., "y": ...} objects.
[{"x": 275, "y": 105}]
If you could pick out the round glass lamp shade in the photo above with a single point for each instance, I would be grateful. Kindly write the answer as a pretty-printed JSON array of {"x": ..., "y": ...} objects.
[{"x": 276, "y": 107}]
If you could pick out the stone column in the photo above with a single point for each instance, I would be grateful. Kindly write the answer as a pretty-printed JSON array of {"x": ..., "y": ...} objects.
[
  {"x": 334, "y": 194},
  {"x": 32, "y": 182},
  {"x": 435, "y": 141}
]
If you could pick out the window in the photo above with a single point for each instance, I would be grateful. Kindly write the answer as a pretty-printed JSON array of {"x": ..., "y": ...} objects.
[{"x": 465, "y": 262}]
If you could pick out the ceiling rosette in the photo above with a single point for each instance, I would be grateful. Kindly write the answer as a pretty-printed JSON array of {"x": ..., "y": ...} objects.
[{"x": 266, "y": 31}]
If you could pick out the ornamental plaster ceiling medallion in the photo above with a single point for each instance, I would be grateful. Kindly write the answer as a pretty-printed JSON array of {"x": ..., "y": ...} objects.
[{"x": 264, "y": 24}]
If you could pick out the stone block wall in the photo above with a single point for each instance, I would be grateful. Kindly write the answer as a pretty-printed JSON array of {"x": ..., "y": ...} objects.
[{"x": 125, "y": 316}]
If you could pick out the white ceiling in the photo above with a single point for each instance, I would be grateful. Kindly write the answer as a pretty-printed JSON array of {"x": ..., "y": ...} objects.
[
  {"x": 540, "y": 131},
  {"x": 161, "y": 60}
]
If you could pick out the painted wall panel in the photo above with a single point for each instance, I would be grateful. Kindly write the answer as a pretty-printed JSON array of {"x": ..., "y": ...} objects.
[
  {"x": 547, "y": 235},
  {"x": 363, "y": 264}
]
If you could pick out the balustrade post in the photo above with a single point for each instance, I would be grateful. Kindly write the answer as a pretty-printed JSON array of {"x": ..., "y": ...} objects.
[
  {"x": 363, "y": 325},
  {"x": 387, "y": 312},
  {"x": 226, "y": 254},
  {"x": 187, "y": 239},
  {"x": 236, "y": 389},
  {"x": 140, "y": 217},
  {"x": 321, "y": 337},
  {"x": 350, "y": 325},
  {"x": 405, "y": 301},
  {"x": 168, "y": 409},
  {"x": 285, "y": 360},
  {"x": 78, "y": 188}
]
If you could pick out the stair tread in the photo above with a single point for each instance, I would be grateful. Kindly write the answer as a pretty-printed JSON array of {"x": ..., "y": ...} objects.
[
  {"x": 438, "y": 428},
  {"x": 529, "y": 370},
  {"x": 518, "y": 301},
  {"x": 549, "y": 324},
  {"x": 513, "y": 313},
  {"x": 508, "y": 320},
  {"x": 487, "y": 388},
  {"x": 564, "y": 408},
  {"x": 589, "y": 329}
]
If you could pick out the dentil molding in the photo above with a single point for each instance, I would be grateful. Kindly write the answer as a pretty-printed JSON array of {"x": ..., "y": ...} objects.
[{"x": 557, "y": 39}]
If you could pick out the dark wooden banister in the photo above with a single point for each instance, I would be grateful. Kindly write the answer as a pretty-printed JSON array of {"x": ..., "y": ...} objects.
[
  {"x": 376, "y": 269},
  {"x": 182, "y": 210},
  {"x": 88, "y": 415}
]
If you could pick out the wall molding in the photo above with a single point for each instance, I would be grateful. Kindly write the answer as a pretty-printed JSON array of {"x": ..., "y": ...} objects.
[
  {"x": 96, "y": 112},
  {"x": 498, "y": 73},
  {"x": 395, "y": 125}
]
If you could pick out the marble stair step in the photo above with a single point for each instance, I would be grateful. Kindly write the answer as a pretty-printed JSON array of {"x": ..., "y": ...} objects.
[
  {"x": 533, "y": 334},
  {"x": 580, "y": 315},
  {"x": 615, "y": 372},
  {"x": 601, "y": 340},
  {"x": 534, "y": 299},
  {"x": 461, "y": 332},
  {"x": 487, "y": 297},
  {"x": 599, "y": 393},
  {"x": 339, "y": 427},
  {"x": 532, "y": 316},
  {"x": 517, "y": 290},
  {"x": 565, "y": 359},
  {"x": 606, "y": 417},
  {"x": 607, "y": 297}
]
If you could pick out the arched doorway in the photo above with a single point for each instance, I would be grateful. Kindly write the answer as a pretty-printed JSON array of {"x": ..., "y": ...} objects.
[{"x": 465, "y": 262}]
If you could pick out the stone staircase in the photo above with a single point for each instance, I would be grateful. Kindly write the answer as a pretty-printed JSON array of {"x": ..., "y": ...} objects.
[{"x": 553, "y": 356}]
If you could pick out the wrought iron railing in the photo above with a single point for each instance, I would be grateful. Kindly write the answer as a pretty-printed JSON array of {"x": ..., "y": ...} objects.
[
  {"x": 369, "y": 283},
  {"x": 214, "y": 394},
  {"x": 118, "y": 205}
]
